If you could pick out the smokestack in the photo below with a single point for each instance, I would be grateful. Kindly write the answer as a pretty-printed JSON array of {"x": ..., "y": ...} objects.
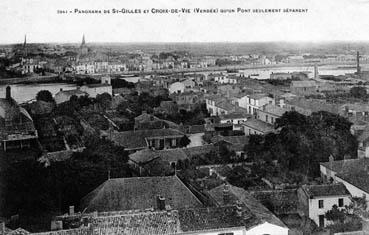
[
  {"x": 358, "y": 70},
  {"x": 316, "y": 72},
  {"x": 8, "y": 95}
]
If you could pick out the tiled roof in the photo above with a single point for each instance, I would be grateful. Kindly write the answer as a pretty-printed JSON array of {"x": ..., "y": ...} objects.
[
  {"x": 303, "y": 84},
  {"x": 237, "y": 142},
  {"x": 139, "y": 193},
  {"x": 199, "y": 150},
  {"x": 325, "y": 190},
  {"x": 137, "y": 139},
  {"x": 235, "y": 115},
  {"x": 358, "y": 178},
  {"x": 153, "y": 223},
  {"x": 259, "y": 125},
  {"x": 199, "y": 219},
  {"x": 348, "y": 165},
  {"x": 274, "y": 109},
  {"x": 168, "y": 155},
  {"x": 237, "y": 194},
  {"x": 258, "y": 96}
]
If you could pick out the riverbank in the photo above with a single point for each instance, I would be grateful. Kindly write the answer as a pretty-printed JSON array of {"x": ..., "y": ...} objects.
[{"x": 70, "y": 78}]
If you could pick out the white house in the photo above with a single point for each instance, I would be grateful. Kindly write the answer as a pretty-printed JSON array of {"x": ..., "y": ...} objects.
[
  {"x": 256, "y": 102},
  {"x": 316, "y": 200},
  {"x": 65, "y": 95},
  {"x": 177, "y": 87}
]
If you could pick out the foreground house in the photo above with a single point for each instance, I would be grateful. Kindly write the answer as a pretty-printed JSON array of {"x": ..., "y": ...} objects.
[
  {"x": 17, "y": 130},
  {"x": 316, "y": 200},
  {"x": 163, "y": 206}
]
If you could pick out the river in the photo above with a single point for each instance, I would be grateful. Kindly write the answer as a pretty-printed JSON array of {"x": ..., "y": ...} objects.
[{"x": 25, "y": 92}]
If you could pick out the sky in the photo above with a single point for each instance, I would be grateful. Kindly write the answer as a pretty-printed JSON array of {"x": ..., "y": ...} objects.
[{"x": 325, "y": 20}]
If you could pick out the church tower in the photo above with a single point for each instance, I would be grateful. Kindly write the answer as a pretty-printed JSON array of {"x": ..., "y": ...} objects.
[{"x": 83, "y": 48}]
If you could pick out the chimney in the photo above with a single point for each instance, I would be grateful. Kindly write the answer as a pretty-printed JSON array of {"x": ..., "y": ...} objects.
[
  {"x": 239, "y": 209},
  {"x": 161, "y": 202},
  {"x": 358, "y": 69},
  {"x": 226, "y": 195},
  {"x": 71, "y": 210},
  {"x": 8, "y": 95}
]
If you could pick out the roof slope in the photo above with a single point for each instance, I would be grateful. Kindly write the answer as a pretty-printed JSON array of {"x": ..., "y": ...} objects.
[
  {"x": 139, "y": 193},
  {"x": 198, "y": 219},
  {"x": 325, "y": 190},
  {"x": 241, "y": 195}
]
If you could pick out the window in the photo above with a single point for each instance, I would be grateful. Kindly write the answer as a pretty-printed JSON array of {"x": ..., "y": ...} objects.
[
  {"x": 225, "y": 233},
  {"x": 266, "y": 118},
  {"x": 340, "y": 202},
  {"x": 321, "y": 203}
]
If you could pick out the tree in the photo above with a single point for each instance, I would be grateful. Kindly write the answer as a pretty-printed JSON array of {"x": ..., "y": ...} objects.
[
  {"x": 184, "y": 141},
  {"x": 335, "y": 214},
  {"x": 104, "y": 100},
  {"x": 44, "y": 95},
  {"x": 358, "y": 92}
]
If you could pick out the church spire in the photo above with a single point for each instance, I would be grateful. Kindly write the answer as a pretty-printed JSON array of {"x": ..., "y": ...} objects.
[
  {"x": 25, "y": 46},
  {"x": 83, "y": 40},
  {"x": 25, "y": 41}
]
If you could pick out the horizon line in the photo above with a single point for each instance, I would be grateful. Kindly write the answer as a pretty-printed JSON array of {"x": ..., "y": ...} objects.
[{"x": 194, "y": 42}]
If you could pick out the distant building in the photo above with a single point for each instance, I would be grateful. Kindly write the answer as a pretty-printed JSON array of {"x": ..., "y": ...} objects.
[
  {"x": 65, "y": 95},
  {"x": 256, "y": 102},
  {"x": 176, "y": 87},
  {"x": 17, "y": 130},
  {"x": 316, "y": 200},
  {"x": 303, "y": 88},
  {"x": 280, "y": 76},
  {"x": 269, "y": 113}
]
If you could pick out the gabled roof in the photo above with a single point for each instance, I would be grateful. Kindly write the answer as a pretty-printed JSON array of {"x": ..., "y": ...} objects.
[
  {"x": 235, "y": 115},
  {"x": 259, "y": 125},
  {"x": 274, "y": 109},
  {"x": 357, "y": 178},
  {"x": 237, "y": 194},
  {"x": 347, "y": 165},
  {"x": 139, "y": 193},
  {"x": 325, "y": 190}
]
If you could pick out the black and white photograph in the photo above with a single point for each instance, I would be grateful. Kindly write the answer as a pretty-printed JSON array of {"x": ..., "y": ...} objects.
[{"x": 185, "y": 117}]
